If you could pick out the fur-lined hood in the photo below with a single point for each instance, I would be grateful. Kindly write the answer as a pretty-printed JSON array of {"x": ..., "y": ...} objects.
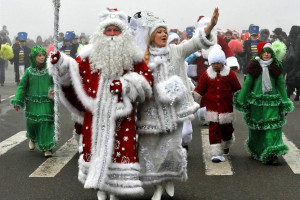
[{"x": 254, "y": 69}]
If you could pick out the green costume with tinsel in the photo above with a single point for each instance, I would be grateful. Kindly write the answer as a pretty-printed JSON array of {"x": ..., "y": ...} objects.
[
  {"x": 32, "y": 93},
  {"x": 264, "y": 112}
]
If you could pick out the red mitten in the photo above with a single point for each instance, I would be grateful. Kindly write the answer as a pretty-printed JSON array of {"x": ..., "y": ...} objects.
[
  {"x": 54, "y": 57},
  {"x": 116, "y": 87}
]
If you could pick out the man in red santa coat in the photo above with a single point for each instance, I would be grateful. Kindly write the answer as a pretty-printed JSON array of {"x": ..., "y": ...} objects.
[{"x": 102, "y": 85}]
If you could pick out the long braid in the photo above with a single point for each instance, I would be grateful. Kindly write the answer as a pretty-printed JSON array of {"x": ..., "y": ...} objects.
[
  {"x": 146, "y": 56},
  {"x": 150, "y": 40}
]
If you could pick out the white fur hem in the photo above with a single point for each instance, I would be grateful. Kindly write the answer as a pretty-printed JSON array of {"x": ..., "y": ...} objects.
[
  {"x": 226, "y": 118},
  {"x": 229, "y": 143},
  {"x": 216, "y": 149},
  {"x": 222, "y": 118},
  {"x": 83, "y": 169}
]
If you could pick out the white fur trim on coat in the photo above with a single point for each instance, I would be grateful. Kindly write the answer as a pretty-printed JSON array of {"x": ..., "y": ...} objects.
[
  {"x": 85, "y": 51},
  {"x": 83, "y": 169},
  {"x": 87, "y": 101},
  {"x": 62, "y": 67},
  {"x": 204, "y": 41},
  {"x": 222, "y": 118},
  {"x": 135, "y": 85},
  {"x": 229, "y": 143},
  {"x": 212, "y": 74},
  {"x": 232, "y": 62},
  {"x": 226, "y": 118},
  {"x": 70, "y": 107}
]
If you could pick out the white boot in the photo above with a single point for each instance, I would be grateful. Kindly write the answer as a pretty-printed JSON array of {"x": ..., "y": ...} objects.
[
  {"x": 113, "y": 197},
  {"x": 48, "y": 154},
  {"x": 169, "y": 188},
  {"x": 31, "y": 145},
  {"x": 158, "y": 192},
  {"x": 101, "y": 195}
]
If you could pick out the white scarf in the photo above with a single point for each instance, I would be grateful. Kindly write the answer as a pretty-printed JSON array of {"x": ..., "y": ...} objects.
[{"x": 266, "y": 82}]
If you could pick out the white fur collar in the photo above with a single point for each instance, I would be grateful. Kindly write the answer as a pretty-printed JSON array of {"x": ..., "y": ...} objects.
[
  {"x": 212, "y": 74},
  {"x": 159, "y": 51}
]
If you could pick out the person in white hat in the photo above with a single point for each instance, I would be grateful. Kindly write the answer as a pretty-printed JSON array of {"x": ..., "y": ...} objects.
[
  {"x": 101, "y": 86},
  {"x": 168, "y": 113},
  {"x": 218, "y": 83}
]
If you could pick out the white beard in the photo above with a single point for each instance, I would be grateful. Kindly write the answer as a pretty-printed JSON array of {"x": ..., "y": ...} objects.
[{"x": 113, "y": 54}]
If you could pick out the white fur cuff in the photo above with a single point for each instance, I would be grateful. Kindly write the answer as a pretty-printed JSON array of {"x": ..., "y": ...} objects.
[{"x": 232, "y": 62}]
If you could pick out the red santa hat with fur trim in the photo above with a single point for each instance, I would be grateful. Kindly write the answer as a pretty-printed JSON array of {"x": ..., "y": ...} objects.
[
  {"x": 203, "y": 21},
  {"x": 262, "y": 45}
]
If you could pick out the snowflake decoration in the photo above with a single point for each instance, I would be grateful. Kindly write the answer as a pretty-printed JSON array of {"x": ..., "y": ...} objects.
[
  {"x": 118, "y": 154},
  {"x": 117, "y": 144},
  {"x": 125, "y": 138},
  {"x": 125, "y": 160}
]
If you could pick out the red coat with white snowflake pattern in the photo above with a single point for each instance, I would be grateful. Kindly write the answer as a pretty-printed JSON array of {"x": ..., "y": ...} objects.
[
  {"x": 125, "y": 127},
  {"x": 218, "y": 89},
  {"x": 109, "y": 137}
]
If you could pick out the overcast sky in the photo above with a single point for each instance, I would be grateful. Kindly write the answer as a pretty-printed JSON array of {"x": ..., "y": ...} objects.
[{"x": 36, "y": 16}]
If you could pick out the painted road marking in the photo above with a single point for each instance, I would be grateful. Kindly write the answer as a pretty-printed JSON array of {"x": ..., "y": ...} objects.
[
  {"x": 292, "y": 158},
  {"x": 1, "y": 100},
  {"x": 214, "y": 169},
  {"x": 53, "y": 165},
  {"x": 11, "y": 142}
]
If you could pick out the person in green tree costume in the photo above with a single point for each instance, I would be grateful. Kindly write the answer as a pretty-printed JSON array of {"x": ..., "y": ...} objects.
[
  {"x": 264, "y": 102},
  {"x": 35, "y": 93}
]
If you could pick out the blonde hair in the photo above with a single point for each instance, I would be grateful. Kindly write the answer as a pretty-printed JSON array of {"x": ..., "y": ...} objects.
[{"x": 150, "y": 40}]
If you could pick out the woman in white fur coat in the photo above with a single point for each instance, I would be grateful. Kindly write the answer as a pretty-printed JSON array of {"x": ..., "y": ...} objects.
[{"x": 162, "y": 118}]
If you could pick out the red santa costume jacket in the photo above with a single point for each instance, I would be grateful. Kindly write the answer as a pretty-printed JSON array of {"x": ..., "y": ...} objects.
[
  {"x": 218, "y": 89},
  {"x": 109, "y": 161},
  {"x": 200, "y": 64}
]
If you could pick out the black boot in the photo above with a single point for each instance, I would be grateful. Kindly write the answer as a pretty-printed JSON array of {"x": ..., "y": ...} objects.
[
  {"x": 273, "y": 161},
  {"x": 226, "y": 151}
]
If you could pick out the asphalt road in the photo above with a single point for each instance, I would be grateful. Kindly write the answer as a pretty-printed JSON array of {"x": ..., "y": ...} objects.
[{"x": 251, "y": 180}]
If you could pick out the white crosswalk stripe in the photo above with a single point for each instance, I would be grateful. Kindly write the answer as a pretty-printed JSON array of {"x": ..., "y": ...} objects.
[
  {"x": 11, "y": 142},
  {"x": 292, "y": 158},
  {"x": 222, "y": 168},
  {"x": 52, "y": 166}
]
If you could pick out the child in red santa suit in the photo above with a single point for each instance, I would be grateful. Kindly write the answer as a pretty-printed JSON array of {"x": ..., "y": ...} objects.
[{"x": 218, "y": 83}]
